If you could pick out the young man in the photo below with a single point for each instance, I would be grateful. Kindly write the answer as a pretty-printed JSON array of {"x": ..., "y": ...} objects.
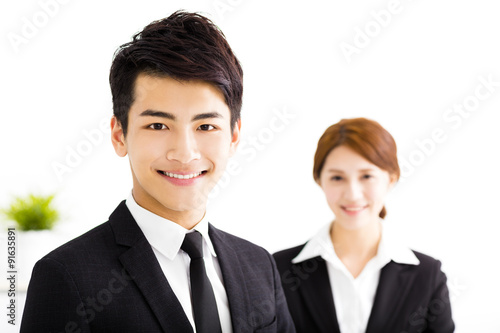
[{"x": 158, "y": 265}]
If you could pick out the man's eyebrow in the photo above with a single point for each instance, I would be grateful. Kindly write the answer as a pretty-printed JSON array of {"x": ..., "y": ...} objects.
[
  {"x": 161, "y": 114},
  {"x": 168, "y": 115},
  {"x": 207, "y": 115}
]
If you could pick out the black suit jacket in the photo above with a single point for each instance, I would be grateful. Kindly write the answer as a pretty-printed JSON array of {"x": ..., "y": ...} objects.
[
  {"x": 409, "y": 298},
  {"x": 109, "y": 280}
]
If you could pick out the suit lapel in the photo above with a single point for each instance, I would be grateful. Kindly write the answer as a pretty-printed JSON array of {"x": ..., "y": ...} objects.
[
  {"x": 320, "y": 304},
  {"x": 394, "y": 284},
  {"x": 141, "y": 264},
  {"x": 234, "y": 280}
]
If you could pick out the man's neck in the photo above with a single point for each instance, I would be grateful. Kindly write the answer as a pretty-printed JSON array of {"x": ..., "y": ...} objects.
[{"x": 187, "y": 219}]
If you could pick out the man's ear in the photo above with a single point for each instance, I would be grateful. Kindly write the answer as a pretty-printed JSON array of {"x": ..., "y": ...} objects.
[
  {"x": 235, "y": 139},
  {"x": 117, "y": 137}
]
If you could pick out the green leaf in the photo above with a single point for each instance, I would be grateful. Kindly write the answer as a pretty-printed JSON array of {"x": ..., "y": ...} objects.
[{"x": 33, "y": 212}]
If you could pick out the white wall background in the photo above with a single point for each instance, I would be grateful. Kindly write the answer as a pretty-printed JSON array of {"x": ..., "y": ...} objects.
[{"x": 427, "y": 58}]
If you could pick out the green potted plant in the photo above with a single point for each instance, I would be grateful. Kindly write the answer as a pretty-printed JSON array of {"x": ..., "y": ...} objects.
[
  {"x": 34, "y": 217},
  {"x": 33, "y": 212}
]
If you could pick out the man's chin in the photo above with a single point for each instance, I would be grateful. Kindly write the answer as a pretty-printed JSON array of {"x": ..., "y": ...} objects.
[{"x": 180, "y": 206}]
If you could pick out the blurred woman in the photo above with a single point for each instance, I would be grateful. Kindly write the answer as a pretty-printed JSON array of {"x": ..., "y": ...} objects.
[{"x": 353, "y": 277}]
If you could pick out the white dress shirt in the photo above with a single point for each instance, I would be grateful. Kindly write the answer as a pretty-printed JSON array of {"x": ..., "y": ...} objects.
[
  {"x": 166, "y": 238},
  {"x": 354, "y": 297}
]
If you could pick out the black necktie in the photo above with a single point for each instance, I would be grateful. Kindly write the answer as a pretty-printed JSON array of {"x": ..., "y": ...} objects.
[{"x": 206, "y": 316}]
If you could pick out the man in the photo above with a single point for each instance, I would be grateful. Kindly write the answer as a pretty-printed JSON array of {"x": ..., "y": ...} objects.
[{"x": 177, "y": 94}]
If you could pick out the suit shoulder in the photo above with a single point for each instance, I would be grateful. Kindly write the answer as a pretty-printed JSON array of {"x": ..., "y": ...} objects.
[
  {"x": 284, "y": 258},
  {"x": 428, "y": 267},
  {"x": 92, "y": 240},
  {"x": 288, "y": 254},
  {"x": 240, "y": 244},
  {"x": 427, "y": 261}
]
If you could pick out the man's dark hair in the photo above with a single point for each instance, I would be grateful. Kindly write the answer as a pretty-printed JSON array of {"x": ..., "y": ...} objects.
[{"x": 184, "y": 46}]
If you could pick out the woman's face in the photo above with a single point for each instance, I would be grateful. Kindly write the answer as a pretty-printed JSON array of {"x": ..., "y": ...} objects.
[{"x": 354, "y": 188}]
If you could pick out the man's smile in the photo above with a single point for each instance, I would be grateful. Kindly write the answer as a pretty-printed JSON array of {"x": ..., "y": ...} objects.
[{"x": 182, "y": 175}]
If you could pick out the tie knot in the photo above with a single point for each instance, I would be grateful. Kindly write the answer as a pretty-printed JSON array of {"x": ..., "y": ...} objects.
[{"x": 192, "y": 245}]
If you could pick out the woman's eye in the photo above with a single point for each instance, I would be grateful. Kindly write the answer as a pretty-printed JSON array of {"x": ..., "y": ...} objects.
[
  {"x": 157, "y": 126},
  {"x": 206, "y": 127},
  {"x": 367, "y": 176},
  {"x": 336, "y": 178}
]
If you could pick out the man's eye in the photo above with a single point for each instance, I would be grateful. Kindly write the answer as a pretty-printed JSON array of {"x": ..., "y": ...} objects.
[
  {"x": 157, "y": 126},
  {"x": 206, "y": 127}
]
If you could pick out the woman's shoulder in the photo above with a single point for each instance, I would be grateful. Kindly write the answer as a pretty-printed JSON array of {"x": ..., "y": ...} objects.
[
  {"x": 426, "y": 260},
  {"x": 428, "y": 266},
  {"x": 284, "y": 257}
]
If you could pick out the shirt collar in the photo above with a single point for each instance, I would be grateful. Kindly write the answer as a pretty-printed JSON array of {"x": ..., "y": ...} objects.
[
  {"x": 164, "y": 235},
  {"x": 389, "y": 249}
]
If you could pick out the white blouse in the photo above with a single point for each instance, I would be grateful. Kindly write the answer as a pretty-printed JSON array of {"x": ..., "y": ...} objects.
[{"x": 354, "y": 297}]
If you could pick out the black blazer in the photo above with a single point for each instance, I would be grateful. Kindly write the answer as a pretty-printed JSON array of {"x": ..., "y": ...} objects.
[
  {"x": 409, "y": 299},
  {"x": 109, "y": 280}
]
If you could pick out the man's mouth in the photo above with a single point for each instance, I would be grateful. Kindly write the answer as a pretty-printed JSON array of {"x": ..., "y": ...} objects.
[{"x": 183, "y": 175}]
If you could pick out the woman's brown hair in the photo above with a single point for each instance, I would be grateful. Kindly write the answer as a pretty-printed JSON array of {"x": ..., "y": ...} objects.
[{"x": 366, "y": 137}]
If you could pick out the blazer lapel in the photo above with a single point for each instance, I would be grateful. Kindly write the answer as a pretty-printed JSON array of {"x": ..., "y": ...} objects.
[
  {"x": 320, "y": 304},
  {"x": 234, "y": 281},
  {"x": 394, "y": 284},
  {"x": 141, "y": 264}
]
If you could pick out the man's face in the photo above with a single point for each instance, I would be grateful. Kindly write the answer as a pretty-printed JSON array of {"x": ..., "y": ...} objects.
[{"x": 178, "y": 141}]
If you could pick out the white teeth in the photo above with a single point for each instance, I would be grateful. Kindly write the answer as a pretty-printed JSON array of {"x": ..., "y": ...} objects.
[
  {"x": 357, "y": 209},
  {"x": 174, "y": 175}
]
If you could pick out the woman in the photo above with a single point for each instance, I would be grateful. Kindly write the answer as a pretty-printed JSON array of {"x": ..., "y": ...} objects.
[{"x": 353, "y": 277}]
